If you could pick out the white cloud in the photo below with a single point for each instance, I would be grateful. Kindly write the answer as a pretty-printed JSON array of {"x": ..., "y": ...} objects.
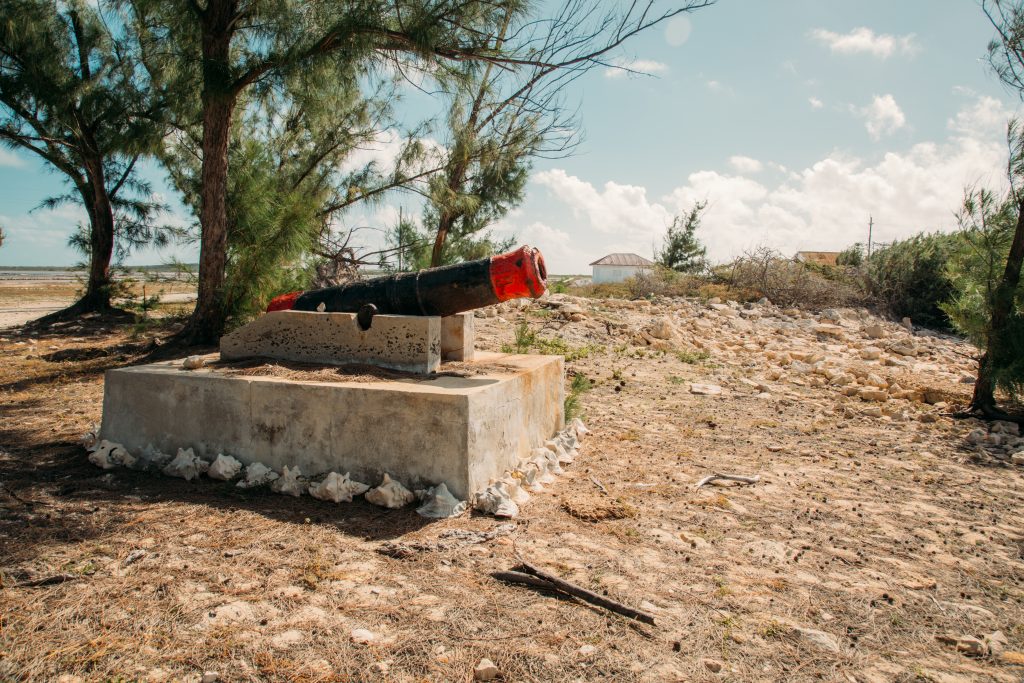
[
  {"x": 865, "y": 41},
  {"x": 632, "y": 67},
  {"x": 744, "y": 164},
  {"x": 9, "y": 158},
  {"x": 815, "y": 103},
  {"x": 883, "y": 116},
  {"x": 678, "y": 29},
  {"x": 616, "y": 209},
  {"x": 823, "y": 206}
]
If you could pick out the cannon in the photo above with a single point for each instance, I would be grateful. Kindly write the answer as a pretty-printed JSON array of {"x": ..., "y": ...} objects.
[{"x": 440, "y": 291}]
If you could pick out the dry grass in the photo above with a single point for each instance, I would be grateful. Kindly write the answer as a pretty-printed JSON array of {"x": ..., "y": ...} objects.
[{"x": 879, "y": 533}]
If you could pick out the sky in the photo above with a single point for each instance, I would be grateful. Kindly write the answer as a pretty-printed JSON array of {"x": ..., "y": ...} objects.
[{"x": 795, "y": 120}]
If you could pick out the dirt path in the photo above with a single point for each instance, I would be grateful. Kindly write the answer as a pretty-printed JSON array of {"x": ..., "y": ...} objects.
[{"x": 875, "y": 533}]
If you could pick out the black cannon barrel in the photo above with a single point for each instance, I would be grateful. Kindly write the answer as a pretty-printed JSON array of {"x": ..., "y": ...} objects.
[{"x": 435, "y": 291}]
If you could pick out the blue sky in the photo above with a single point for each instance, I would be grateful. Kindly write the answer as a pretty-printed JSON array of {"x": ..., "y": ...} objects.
[{"x": 794, "y": 119}]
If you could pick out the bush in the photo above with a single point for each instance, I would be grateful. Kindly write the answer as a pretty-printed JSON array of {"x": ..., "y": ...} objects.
[
  {"x": 787, "y": 282},
  {"x": 911, "y": 278}
]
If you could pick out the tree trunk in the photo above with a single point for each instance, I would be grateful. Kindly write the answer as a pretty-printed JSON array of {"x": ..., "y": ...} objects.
[
  {"x": 1002, "y": 308},
  {"x": 444, "y": 224},
  {"x": 209, "y": 317}
]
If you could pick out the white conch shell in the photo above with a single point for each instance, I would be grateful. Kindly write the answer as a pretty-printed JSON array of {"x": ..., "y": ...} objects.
[
  {"x": 288, "y": 483},
  {"x": 224, "y": 467},
  {"x": 579, "y": 428},
  {"x": 494, "y": 501},
  {"x": 511, "y": 487},
  {"x": 338, "y": 488},
  {"x": 547, "y": 463},
  {"x": 532, "y": 476},
  {"x": 151, "y": 458},
  {"x": 257, "y": 474},
  {"x": 390, "y": 494},
  {"x": 186, "y": 465},
  {"x": 562, "y": 456},
  {"x": 89, "y": 439},
  {"x": 107, "y": 455},
  {"x": 439, "y": 503}
]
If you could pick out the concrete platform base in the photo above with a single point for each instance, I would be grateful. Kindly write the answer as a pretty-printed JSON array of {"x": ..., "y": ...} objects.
[{"x": 463, "y": 426}]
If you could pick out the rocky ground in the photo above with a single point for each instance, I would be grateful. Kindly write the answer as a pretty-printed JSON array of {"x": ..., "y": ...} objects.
[{"x": 882, "y": 540}]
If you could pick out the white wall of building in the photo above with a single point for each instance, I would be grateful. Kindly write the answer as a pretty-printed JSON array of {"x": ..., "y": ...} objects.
[{"x": 614, "y": 273}]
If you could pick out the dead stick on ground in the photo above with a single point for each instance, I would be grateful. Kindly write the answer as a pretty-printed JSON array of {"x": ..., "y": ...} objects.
[
  {"x": 728, "y": 477},
  {"x": 598, "y": 484},
  {"x": 578, "y": 592},
  {"x": 48, "y": 581}
]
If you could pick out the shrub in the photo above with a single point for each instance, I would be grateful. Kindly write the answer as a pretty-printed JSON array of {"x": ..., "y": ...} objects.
[
  {"x": 911, "y": 278},
  {"x": 787, "y": 282}
]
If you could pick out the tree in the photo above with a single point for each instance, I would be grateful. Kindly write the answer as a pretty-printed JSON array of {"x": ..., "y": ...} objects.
[
  {"x": 977, "y": 270},
  {"x": 1, "y": 237},
  {"x": 682, "y": 251},
  {"x": 221, "y": 48},
  {"x": 71, "y": 93},
  {"x": 1006, "y": 56},
  {"x": 851, "y": 256}
]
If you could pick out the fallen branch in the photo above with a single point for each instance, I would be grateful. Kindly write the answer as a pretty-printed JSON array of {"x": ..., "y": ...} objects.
[
  {"x": 48, "y": 581},
  {"x": 532, "y": 576},
  {"x": 728, "y": 477},
  {"x": 599, "y": 485}
]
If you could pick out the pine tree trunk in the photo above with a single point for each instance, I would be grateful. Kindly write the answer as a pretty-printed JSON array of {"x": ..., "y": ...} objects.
[
  {"x": 1002, "y": 308},
  {"x": 209, "y": 317},
  {"x": 444, "y": 225}
]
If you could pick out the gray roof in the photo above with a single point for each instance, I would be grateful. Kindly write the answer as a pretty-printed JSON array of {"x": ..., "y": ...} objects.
[{"x": 622, "y": 260}]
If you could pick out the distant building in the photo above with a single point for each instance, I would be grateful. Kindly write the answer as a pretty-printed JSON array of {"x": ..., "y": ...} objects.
[
  {"x": 822, "y": 258},
  {"x": 618, "y": 267}
]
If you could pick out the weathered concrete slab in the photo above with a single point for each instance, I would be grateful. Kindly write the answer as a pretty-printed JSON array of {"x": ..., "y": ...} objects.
[
  {"x": 458, "y": 336},
  {"x": 462, "y": 430},
  {"x": 400, "y": 342}
]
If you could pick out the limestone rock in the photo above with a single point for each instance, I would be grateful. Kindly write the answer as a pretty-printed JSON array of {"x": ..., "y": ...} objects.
[
  {"x": 186, "y": 465},
  {"x": 511, "y": 487},
  {"x": 257, "y": 474},
  {"x": 662, "y": 328},
  {"x": 439, "y": 503},
  {"x": 338, "y": 488},
  {"x": 819, "y": 639},
  {"x": 874, "y": 331},
  {"x": 390, "y": 494},
  {"x": 873, "y": 394},
  {"x": 485, "y": 670},
  {"x": 705, "y": 389},
  {"x": 224, "y": 468},
  {"x": 288, "y": 483},
  {"x": 579, "y": 428},
  {"x": 871, "y": 353},
  {"x": 193, "y": 362}
]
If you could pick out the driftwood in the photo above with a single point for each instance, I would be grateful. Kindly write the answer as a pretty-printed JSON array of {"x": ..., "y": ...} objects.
[
  {"x": 728, "y": 477},
  {"x": 529, "y": 575}
]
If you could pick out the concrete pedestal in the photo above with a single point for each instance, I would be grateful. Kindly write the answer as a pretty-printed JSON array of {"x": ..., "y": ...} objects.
[{"x": 461, "y": 430}]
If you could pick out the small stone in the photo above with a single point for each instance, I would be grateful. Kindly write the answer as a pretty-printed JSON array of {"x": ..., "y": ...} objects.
[
  {"x": 713, "y": 665},
  {"x": 362, "y": 636},
  {"x": 321, "y": 307},
  {"x": 873, "y": 394},
  {"x": 819, "y": 639},
  {"x": 193, "y": 363},
  {"x": 587, "y": 650},
  {"x": 485, "y": 670},
  {"x": 705, "y": 389},
  {"x": 871, "y": 353},
  {"x": 210, "y": 677},
  {"x": 976, "y": 436},
  {"x": 1017, "y": 458},
  {"x": 662, "y": 328}
]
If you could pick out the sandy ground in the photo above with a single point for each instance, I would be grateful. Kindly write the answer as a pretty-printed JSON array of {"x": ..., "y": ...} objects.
[{"x": 878, "y": 544}]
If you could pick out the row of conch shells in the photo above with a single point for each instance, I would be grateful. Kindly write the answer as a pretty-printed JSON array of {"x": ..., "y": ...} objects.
[
  {"x": 437, "y": 502},
  {"x": 503, "y": 497}
]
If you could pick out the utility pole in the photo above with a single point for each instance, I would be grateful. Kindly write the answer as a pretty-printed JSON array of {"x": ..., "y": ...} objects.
[{"x": 871, "y": 227}]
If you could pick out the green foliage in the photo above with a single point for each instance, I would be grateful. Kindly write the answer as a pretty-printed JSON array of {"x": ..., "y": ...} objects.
[
  {"x": 579, "y": 385},
  {"x": 851, "y": 256},
  {"x": 976, "y": 268},
  {"x": 527, "y": 340},
  {"x": 693, "y": 357},
  {"x": 682, "y": 251},
  {"x": 911, "y": 277}
]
